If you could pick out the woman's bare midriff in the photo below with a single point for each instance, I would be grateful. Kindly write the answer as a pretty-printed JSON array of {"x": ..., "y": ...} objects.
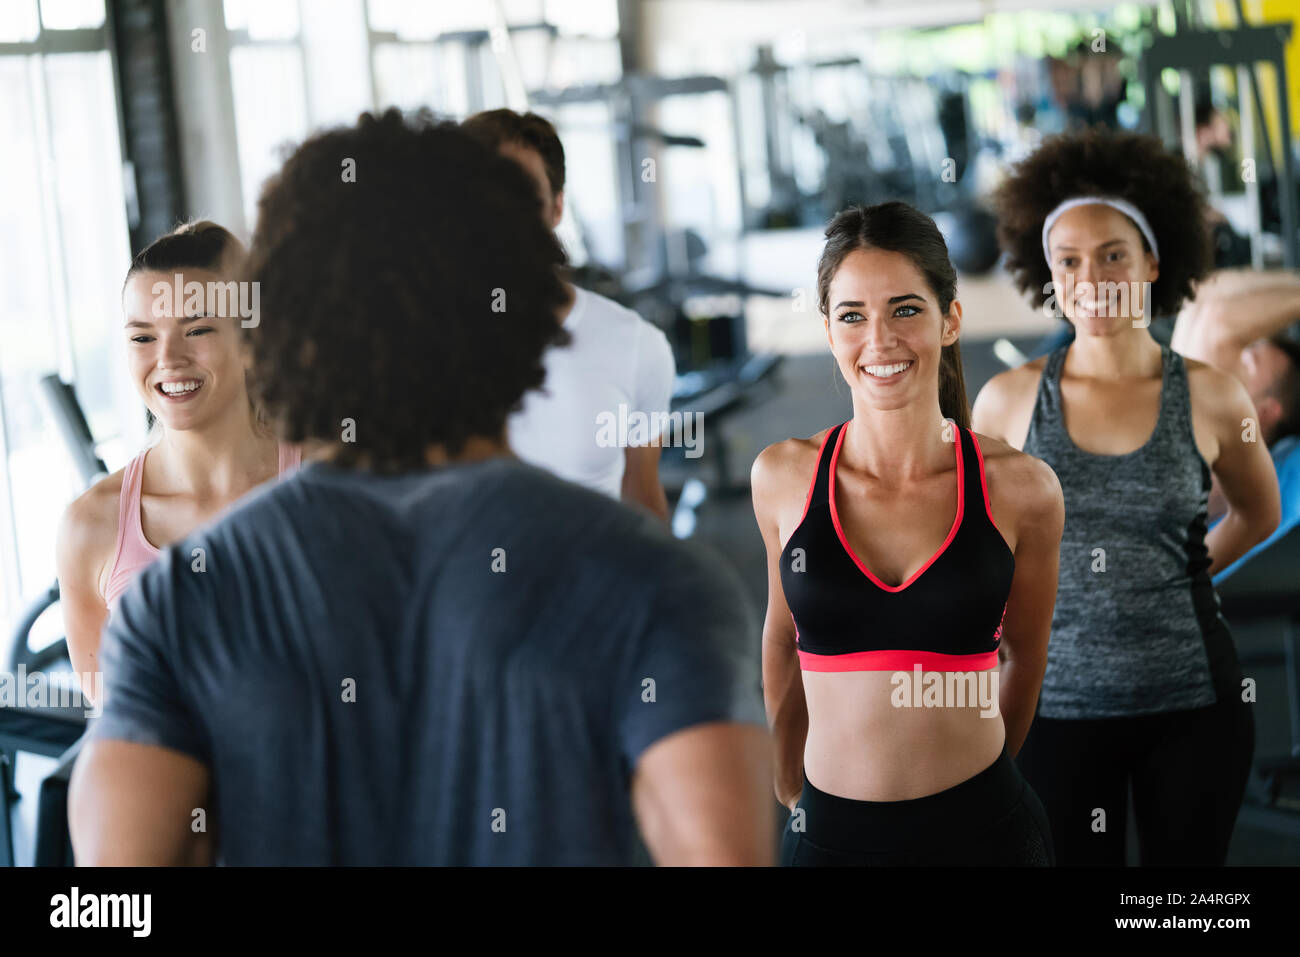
[{"x": 862, "y": 746}]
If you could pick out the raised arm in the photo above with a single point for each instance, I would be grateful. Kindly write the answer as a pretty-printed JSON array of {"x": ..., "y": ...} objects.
[
  {"x": 1231, "y": 310},
  {"x": 783, "y": 694}
]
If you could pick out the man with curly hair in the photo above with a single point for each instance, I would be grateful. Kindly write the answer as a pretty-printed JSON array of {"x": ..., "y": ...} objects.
[
  {"x": 420, "y": 650},
  {"x": 1142, "y": 687}
]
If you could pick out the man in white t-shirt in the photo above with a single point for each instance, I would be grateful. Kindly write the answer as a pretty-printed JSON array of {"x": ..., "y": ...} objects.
[{"x": 596, "y": 418}]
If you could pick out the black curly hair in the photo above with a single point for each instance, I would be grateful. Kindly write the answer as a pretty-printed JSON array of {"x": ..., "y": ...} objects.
[
  {"x": 415, "y": 297},
  {"x": 1105, "y": 162}
]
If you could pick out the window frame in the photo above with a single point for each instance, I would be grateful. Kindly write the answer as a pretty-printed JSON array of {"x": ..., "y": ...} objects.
[{"x": 50, "y": 42}]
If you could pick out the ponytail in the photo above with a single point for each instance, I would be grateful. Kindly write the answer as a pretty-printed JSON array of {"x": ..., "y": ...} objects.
[{"x": 952, "y": 387}]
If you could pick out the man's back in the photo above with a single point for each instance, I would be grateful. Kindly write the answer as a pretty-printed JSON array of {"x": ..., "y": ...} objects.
[{"x": 452, "y": 667}]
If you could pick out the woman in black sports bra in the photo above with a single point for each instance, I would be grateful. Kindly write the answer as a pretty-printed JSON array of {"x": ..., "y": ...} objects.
[{"x": 912, "y": 572}]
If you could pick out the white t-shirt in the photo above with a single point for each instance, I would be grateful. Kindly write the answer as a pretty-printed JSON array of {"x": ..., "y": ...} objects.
[{"x": 609, "y": 388}]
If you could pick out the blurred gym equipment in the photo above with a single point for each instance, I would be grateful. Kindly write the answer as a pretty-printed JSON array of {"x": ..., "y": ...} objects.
[
  {"x": 662, "y": 278},
  {"x": 1266, "y": 592},
  {"x": 1008, "y": 354},
  {"x": 898, "y": 137},
  {"x": 52, "y": 730},
  {"x": 1192, "y": 53}
]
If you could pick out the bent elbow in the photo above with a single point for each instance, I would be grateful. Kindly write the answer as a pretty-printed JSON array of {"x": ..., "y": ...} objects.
[
  {"x": 1259, "y": 526},
  {"x": 1270, "y": 526},
  {"x": 1267, "y": 521}
]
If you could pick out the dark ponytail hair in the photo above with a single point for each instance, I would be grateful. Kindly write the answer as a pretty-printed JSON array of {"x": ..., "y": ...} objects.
[
  {"x": 200, "y": 244},
  {"x": 900, "y": 228}
]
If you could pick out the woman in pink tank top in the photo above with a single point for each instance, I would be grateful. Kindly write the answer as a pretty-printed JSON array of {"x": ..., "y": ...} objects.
[{"x": 184, "y": 346}]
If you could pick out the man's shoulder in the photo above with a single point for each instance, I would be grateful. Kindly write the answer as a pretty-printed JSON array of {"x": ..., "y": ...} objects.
[
  {"x": 546, "y": 499},
  {"x": 596, "y": 303},
  {"x": 584, "y": 527},
  {"x": 616, "y": 314}
]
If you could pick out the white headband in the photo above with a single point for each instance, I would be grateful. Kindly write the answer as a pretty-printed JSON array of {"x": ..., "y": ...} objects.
[{"x": 1123, "y": 205}]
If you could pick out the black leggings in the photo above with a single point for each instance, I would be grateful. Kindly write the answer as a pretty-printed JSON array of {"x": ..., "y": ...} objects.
[
  {"x": 1188, "y": 771},
  {"x": 993, "y": 818}
]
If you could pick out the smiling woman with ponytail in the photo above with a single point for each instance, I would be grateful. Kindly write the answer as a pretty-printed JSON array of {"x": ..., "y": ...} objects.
[
  {"x": 209, "y": 441},
  {"x": 896, "y": 541},
  {"x": 898, "y": 227}
]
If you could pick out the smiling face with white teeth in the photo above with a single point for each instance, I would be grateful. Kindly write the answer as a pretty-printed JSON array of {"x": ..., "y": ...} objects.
[
  {"x": 1096, "y": 249},
  {"x": 885, "y": 328},
  {"x": 188, "y": 368}
]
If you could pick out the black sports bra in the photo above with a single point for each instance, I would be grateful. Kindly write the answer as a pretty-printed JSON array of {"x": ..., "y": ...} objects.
[{"x": 946, "y": 617}]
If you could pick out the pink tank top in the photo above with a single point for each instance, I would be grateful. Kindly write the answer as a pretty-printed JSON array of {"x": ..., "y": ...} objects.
[{"x": 134, "y": 551}]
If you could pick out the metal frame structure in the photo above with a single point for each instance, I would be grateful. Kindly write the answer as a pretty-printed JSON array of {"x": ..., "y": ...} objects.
[
  {"x": 1263, "y": 593},
  {"x": 629, "y": 100},
  {"x": 481, "y": 48},
  {"x": 1241, "y": 48}
]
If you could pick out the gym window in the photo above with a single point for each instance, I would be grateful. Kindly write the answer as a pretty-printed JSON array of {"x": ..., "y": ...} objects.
[
  {"x": 297, "y": 66},
  {"x": 63, "y": 249}
]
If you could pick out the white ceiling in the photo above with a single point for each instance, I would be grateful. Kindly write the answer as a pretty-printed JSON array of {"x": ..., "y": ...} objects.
[{"x": 747, "y": 20}]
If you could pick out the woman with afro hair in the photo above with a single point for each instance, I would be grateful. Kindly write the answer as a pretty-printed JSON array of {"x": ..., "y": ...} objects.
[{"x": 1142, "y": 689}]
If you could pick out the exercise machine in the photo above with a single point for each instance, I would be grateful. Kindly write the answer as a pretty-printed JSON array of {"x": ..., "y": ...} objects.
[
  {"x": 1196, "y": 51},
  {"x": 663, "y": 279},
  {"x": 52, "y": 730},
  {"x": 1265, "y": 592}
]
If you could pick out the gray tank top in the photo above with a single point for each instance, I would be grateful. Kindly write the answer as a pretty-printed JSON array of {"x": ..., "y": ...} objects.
[{"x": 1137, "y": 628}]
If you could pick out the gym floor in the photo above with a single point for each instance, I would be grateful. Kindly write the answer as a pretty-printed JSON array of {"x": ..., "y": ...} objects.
[{"x": 811, "y": 397}]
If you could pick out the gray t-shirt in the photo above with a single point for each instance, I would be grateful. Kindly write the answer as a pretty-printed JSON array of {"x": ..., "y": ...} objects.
[{"x": 459, "y": 666}]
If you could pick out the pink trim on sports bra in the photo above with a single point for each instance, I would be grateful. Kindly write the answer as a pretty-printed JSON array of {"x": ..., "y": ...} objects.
[
  {"x": 839, "y": 530},
  {"x": 812, "y": 486},
  {"x": 290, "y": 458},
  {"x": 807, "y": 503},
  {"x": 890, "y": 659},
  {"x": 988, "y": 506},
  {"x": 133, "y": 551}
]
